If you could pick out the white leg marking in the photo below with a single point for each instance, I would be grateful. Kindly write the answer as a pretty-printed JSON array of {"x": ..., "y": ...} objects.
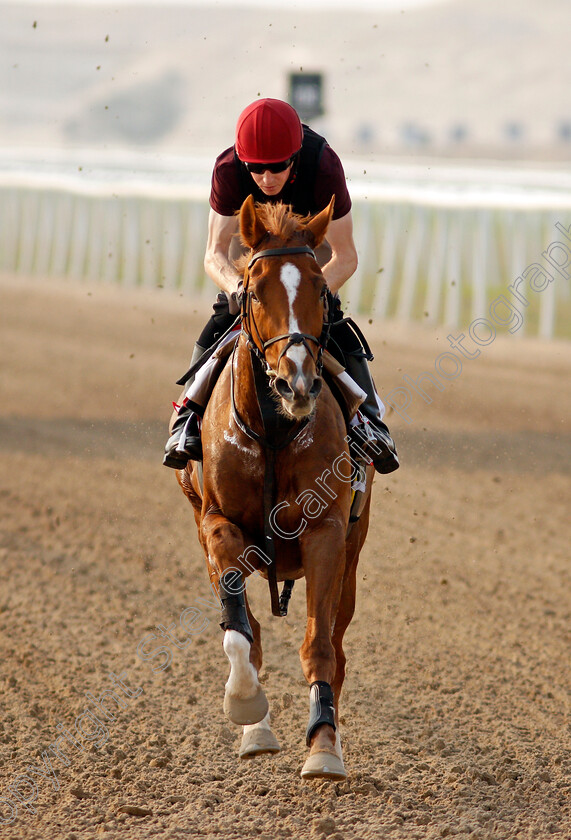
[
  {"x": 243, "y": 679},
  {"x": 263, "y": 724}
]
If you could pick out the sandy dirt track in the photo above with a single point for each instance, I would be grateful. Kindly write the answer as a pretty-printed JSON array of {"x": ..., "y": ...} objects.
[{"x": 455, "y": 713}]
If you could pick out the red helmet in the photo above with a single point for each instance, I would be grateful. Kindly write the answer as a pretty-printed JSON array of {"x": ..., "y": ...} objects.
[{"x": 268, "y": 131}]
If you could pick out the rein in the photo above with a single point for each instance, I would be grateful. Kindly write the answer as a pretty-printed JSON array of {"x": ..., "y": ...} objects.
[{"x": 279, "y": 604}]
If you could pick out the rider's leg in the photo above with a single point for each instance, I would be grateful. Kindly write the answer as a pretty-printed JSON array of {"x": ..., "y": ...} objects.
[
  {"x": 184, "y": 443},
  {"x": 372, "y": 437}
]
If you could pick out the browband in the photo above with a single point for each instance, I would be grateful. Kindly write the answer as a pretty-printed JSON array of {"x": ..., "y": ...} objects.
[{"x": 281, "y": 252}]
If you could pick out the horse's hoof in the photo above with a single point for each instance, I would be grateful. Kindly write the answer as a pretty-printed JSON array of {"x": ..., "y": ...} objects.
[
  {"x": 323, "y": 765},
  {"x": 251, "y": 710},
  {"x": 258, "y": 741}
]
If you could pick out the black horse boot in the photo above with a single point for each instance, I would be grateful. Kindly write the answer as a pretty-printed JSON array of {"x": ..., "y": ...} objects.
[
  {"x": 184, "y": 444},
  {"x": 371, "y": 438}
]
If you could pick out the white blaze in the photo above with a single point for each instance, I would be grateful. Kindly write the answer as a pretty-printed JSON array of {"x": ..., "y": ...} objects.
[{"x": 291, "y": 277}]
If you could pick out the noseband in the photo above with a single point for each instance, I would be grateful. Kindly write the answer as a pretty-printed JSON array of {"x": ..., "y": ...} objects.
[{"x": 291, "y": 339}]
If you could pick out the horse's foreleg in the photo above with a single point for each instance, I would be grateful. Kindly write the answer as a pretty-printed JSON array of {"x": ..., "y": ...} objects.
[
  {"x": 244, "y": 699},
  {"x": 323, "y": 558},
  {"x": 257, "y": 738},
  {"x": 346, "y": 606},
  {"x": 256, "y": 648},
  {"x": 318, "y": 764},
  {"x": 323, "y": 553},
  {"x": 345, "y": 612}
]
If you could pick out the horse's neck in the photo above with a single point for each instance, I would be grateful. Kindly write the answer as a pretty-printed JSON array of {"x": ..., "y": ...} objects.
[
  {"x": 255, "y": 402},
  {"x": 245, "y": 398}
]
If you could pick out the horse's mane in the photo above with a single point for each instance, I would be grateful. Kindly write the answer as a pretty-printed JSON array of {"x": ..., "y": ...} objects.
[{"x": 279, "y": 220}]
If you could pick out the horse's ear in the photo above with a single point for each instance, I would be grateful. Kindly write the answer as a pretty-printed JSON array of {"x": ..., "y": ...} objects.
[
  {"x": 252, "y": 230},
  {"x": 319, "y": 224}
]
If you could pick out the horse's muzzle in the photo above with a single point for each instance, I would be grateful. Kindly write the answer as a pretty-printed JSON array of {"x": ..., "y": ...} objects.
[{"x": 299, "y": 395}]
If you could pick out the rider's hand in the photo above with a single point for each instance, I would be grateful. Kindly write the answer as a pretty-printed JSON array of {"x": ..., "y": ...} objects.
[{"x": 235, "y": 299}]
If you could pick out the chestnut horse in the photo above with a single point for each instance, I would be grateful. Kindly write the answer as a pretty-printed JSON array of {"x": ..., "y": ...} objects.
[{"x": 274, "y": 493}]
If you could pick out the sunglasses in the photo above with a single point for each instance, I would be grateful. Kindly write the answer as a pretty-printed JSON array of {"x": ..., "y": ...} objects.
[{"x": 274, "y": 168}]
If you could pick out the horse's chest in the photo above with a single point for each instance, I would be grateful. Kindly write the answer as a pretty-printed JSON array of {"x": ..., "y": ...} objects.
[{"x": 242, "y": 456}]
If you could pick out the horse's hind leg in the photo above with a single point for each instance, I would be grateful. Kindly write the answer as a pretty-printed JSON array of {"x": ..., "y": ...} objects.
[{"x": 257, "y": 739}]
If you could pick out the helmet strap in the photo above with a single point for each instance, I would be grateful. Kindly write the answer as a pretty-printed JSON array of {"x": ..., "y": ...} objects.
[{"x": 294, "y": 168}]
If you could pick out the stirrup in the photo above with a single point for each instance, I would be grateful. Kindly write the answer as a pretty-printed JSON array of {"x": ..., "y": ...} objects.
[
  {"x": 182, "y": 447},
  {"x": 376, "y": 445},
  {"x": 177, "y": 458},
  {"x": 175, "y": 461}
]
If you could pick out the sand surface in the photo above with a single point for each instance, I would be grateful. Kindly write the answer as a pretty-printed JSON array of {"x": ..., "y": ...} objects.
[{"x": 455, "y": 713}]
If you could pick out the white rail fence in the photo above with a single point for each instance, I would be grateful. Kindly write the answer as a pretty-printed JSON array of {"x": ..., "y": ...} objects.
[{"x": 438, "y": 256}]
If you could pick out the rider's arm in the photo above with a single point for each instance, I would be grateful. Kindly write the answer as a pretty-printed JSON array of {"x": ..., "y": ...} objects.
[
  {"x": 343, "y": 260},
  {"x": 216, "y": 262}
]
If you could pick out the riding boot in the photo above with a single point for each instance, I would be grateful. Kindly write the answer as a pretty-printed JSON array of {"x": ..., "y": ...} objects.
[
  {"x": 184, "y": 444},
  {"x": 371, "y": 437}
]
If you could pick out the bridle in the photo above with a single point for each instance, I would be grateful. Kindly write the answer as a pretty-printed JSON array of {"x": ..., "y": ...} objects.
[{"x": 259, "y": 346}]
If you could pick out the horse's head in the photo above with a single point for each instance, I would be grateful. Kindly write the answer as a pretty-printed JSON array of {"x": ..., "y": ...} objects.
[{"x": 284, "y": 298}]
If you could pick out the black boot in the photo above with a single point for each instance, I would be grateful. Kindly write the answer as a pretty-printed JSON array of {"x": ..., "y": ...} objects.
[
  {"x": 184, "y": 444},
  {"x": 371, "y": 438}
]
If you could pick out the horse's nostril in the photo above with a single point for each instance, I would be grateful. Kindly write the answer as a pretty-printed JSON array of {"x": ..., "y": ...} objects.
[
  {"x": 283, "y": 389},
  {"x": 315, "y": 389}
]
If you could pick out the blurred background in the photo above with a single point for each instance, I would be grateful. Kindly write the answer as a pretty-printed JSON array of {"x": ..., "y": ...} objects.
[{"x": 452, "y": 118}]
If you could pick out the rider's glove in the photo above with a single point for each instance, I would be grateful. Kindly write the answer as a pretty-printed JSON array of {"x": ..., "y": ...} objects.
[{"x": 235, "y": 299}]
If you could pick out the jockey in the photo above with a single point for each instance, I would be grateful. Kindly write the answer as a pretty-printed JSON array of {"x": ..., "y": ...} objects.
[{"x": 276, "y": 158}]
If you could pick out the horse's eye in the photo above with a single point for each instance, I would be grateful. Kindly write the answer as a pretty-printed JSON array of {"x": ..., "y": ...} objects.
[{"x": 254, "y": 297}]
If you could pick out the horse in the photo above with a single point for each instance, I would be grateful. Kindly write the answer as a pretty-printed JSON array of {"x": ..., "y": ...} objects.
[{"x": 272, "y": 433}]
